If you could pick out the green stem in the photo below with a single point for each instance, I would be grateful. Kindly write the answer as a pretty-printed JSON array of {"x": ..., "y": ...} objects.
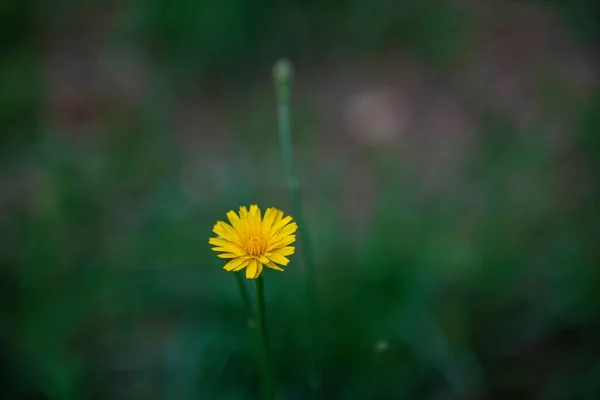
[
  {"x": 245, "y": 297},
  {"x": 376, "y": 370},
  {"x": 262, "y": 326},
  {"x": 282, "y": 74}
]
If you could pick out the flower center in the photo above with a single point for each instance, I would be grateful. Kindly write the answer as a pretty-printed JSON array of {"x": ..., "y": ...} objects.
[{"x": 254, "y": 247}]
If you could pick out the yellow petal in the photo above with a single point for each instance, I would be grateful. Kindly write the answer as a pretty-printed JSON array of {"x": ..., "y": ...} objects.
[
  {"x": 274, "y": 266},
  {"x": 225, "y": 245},
  {"x": 282, "y": 243},
  {"x": 259, "y": 269},
  {"x": 231, "y": 248},
  {"x": 224, "y": 250},
  {"x": 233, "y": 264},
  {"x": 234, "y": 219},
  {"x": 268, "y": 219},
  {"x": 280, "y": 224},
  {"x": 278, "y": 258},
  {"x": 242, "y": 265},
  {"x": 227, "y": 255},
  {"x": 276, "y": 220},
  {"x": 288, "y": 229},
  {"x": 255, "y": 211},
  {"x": 243, "y": 213},
  {"x": 263, "y": 259},
  {"x": 218, "y": 241},
  {"x": 225, "y": 231},
  {"x": 285, "y": 251},
  {"x": 255, "y": 218},
  {"x": 253, "y": 269}
]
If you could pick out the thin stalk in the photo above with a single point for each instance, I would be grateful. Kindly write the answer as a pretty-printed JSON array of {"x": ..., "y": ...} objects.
[
  {"x": 377, "y": 369},
  {"x": 245, "y": 297},
  {"x": 282, "y": 73},
  {"x": 262, "y": 327}
]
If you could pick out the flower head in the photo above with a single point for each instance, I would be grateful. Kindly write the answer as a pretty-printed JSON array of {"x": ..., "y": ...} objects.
[{"x": 252, "y": 241}]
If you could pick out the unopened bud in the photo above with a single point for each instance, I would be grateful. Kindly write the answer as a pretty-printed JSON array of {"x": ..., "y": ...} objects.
[
  {"x": 381, "y": 346},
  {"x": 283, "y": 71}
]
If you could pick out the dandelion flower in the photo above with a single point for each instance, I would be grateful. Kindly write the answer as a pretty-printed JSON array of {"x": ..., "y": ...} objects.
[{"x": 252, "y": 241}]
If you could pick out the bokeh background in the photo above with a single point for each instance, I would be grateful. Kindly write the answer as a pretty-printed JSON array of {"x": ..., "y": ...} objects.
[{"x": 449, "y": 158}]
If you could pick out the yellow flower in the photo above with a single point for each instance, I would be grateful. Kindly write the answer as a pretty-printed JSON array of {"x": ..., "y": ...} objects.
[{"x": 252, "y": 242}]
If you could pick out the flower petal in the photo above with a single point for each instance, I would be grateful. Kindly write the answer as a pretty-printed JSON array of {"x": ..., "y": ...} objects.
[
  {"x": 255, "y": 218},
  {"x": 253, "y": 269},
  {"x": 281, "y": 223},
  {"x": 274, "y": 266},
  {"x": 281, "y": 243},
  {"x": 259, "y": 266},
  {"x": 233, "y": 264},
  {"x": 234, "y": 218},
  {"x": 217, "y": 241},
  {"x": 268, "y": 219},
  {"x": 227, "y": 255},
  {"x": 225, "y": 245},
  {"x": 285, "y": 251},
  {"x": 223, "y": 250},
  {"x": 287, "y": 230},
  {"x": 278, "y": 258},
  {"x": 242, "y": 265},
  {"x": 263, "y": 259},
  {"x": 276, "y": 220},
  {"x": 255, "y": 211},
  {"x": 225, "y": 231}
]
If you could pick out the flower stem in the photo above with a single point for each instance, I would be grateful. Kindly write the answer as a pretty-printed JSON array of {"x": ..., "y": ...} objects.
[
  {"x": 282, "y": 74},
  {"x": 245, "y": 297},
  {"x": 262, "y": 326}
]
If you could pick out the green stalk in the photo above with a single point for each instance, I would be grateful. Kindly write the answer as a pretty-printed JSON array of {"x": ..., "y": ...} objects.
[
  {"x": 377, "y": 369},
  {"x": 245, "y": 297},
  {"x": 283, "y": 74},
  {"x": 262, "y": 326}
]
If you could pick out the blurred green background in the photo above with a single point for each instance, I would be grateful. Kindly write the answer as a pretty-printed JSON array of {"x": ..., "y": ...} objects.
[{"x": 449, "y": 156}]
